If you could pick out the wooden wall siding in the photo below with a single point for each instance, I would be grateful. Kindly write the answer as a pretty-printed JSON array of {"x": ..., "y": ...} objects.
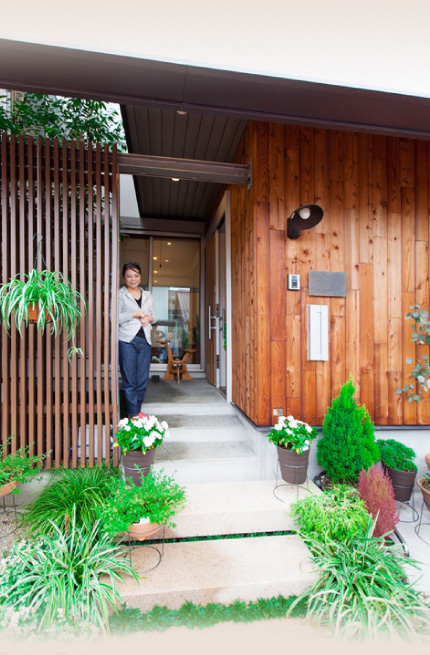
[
  {"x": 375, "y": 194},
  {"x": 68, "y": 195}
]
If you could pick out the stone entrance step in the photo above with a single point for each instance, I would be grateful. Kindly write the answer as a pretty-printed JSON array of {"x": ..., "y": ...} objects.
[
  {"x": 225, "y": 570},
  {"x": 236, "y": 508},
  {"x": 220, "y": 571}
]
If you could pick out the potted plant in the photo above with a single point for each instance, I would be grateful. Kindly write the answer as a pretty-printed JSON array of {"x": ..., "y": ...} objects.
[
  {"x": 138, "y": 438},
  {"x": 41, "y": 297},
  {"x": 142, "y": 509},
  {"x": 397, "y": 459},
  {"x": 424, "y": 485},
  {"x": 17, "y": 467},
  {"x": 292, "y": 439}
]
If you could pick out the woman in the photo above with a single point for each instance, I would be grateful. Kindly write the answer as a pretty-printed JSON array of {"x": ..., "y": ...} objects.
[{"x": 136, "y": 313}]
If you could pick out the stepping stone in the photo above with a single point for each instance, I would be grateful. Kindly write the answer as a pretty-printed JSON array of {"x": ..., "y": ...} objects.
[
  {"x": 236, "y": 508},
  {"x": 220, "y": 571}
]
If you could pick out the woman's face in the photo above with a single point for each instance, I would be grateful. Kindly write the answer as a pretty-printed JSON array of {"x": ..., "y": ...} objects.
[{"x": 132, "y": 278}]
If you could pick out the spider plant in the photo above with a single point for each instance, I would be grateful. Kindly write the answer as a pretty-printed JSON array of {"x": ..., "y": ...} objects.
[
  {"x": 57, "y": 301},
  {"x": 78, "y": 491},
  {"x": 59, "y": 578},
  {"x": 361, "y": 589}
]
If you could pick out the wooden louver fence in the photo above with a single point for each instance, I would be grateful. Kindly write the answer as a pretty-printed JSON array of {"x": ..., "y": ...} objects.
[{"x": 68, "y": 195}]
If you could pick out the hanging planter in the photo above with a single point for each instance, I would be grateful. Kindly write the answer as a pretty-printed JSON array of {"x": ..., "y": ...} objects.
[{"x": 33, "y": 314}]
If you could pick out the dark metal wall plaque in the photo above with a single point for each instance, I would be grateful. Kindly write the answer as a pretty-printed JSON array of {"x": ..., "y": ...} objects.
[{"x": 322, "y": 283}]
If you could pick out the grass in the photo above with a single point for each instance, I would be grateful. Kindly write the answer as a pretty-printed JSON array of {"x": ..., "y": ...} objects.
[{"x": 130, "y": 620}]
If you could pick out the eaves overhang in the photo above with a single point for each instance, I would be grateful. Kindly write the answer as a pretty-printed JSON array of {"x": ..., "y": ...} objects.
[{"x": 129, "y": 80}]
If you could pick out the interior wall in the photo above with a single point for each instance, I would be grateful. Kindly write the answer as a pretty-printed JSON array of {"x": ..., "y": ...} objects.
[{"x": 375, "y": 194}]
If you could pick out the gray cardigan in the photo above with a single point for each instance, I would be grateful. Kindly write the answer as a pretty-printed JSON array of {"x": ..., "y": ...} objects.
[{"x": 127, "y": 305}]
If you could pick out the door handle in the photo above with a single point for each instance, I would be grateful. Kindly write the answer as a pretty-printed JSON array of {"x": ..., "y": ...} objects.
[{"x": 210, "y": 319}]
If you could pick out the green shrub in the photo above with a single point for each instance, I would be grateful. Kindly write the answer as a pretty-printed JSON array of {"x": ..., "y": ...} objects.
[
  {"x": 84, "y": 489},
  {"x": 348, "y": 442},
  {"x": 396, "y": 455},
  {"x": 20, "y": 465},
  {"x": 338, "y": 514},
  {"x": 57, "y": 578},
  {"x": 361, "y": 589},
  {"x": 157, "y": 499}
]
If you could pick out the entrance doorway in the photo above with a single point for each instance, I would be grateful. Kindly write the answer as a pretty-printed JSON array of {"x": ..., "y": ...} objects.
[{"x": 217, "y": 301}]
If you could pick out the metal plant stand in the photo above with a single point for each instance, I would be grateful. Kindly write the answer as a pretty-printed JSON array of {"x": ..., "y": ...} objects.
[
  {"x": 296, "y": 484},
  {"x": 421, "y": 524},
  {"x": 5, "y": 510},
  {"x": 159, "y": 549},
  {"x": 409, "y": 505}
]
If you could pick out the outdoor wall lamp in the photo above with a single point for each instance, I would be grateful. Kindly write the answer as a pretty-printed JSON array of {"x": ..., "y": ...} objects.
[{"x": 303, "y": 218}]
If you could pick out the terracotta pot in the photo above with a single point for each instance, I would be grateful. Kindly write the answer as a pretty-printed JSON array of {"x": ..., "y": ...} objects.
[
  {"x": 425, "y": 492},
  {"x": 142, "y": 531},
  {"x": 427, "y": 458},
  {"x": 294, "y": 467},
  {"x": 7, "y": 488},
  {"x": 143, "y": 462},
  {"x": 403, "y": 483},
  {"x": 33, "y": 314}
]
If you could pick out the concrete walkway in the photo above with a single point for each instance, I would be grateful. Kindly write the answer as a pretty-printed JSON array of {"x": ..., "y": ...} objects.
[{"x": 225, "y": 570}]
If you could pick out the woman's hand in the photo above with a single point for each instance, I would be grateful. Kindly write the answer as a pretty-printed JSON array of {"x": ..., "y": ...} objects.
[{"x": 145, "y": 319}]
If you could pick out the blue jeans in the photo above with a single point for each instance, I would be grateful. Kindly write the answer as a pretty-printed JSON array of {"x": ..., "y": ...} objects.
[{"x": 134, "y": 361}]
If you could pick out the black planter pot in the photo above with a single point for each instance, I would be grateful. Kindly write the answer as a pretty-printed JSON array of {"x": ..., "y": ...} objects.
[
  {"x": 294, "y": 467},
  {"x": 403, "y": 483},
  {"x": 137, "y": 464}
]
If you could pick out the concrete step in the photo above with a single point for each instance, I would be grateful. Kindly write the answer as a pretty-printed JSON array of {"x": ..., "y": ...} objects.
[
  {"x": 219, "y": 571},
  {"x": 187, "y": 471},
  {"x": 236, "y": 508},
  {"x": 190, "y": 409},
  {"x": 205, "y": 428}
]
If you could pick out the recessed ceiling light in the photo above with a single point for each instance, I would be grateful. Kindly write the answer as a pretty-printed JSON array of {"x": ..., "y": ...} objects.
[
  {"x": 155, "y": 272},
  {"x": 167, "y": 261},
  {"x": 169, "y": 243},
  {"x": 155, "y": 281},
  {"x": 155, "y": 258},
  {"x": 181, "y": 112},
  {"x": 175, "y": 179}
]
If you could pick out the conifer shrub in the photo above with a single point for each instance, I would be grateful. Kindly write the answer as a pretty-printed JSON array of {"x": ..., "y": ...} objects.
[
  {"x": 376, "y": 489},
  {"x": 348, "y": 442}
]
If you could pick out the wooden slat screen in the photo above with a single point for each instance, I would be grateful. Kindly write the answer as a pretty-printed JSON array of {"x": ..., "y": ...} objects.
[{"x": 64, "y": 197}]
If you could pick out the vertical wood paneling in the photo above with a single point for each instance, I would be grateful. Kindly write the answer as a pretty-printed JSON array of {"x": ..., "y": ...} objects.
[
  {"x": 375, "y": 192},
  {"x": 47, "y": 219}
]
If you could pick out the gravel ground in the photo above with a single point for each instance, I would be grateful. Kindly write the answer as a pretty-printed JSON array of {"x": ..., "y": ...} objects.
[{"x": 10, "y": 527}]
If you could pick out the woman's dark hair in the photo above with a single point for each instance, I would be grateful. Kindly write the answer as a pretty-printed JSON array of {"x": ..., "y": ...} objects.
[{"x": 131, "y": 266}]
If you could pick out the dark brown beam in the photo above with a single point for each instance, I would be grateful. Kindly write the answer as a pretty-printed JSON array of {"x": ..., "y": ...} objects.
[{"x": 184, "y": 169}]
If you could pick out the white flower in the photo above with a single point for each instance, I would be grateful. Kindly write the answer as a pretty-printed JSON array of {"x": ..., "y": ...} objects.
[
  {"x": 293, "y": 424},
  {"x": 144, "y": 520},
  {"x": 164, "y": 425},
  {"x": 127, "y": 428},
  {"x": 147, "y": 441},
  {"x": 289, "y": 431},
  {"x": 290, "y": 418},
  {"x": 278, "y": 427},
  {"x": 308, "y": 428},
  {"x": 123, "y": 423}
]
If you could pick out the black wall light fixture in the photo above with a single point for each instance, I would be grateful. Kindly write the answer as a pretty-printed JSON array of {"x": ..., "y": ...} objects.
[{"x": 303, "y": 218}]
